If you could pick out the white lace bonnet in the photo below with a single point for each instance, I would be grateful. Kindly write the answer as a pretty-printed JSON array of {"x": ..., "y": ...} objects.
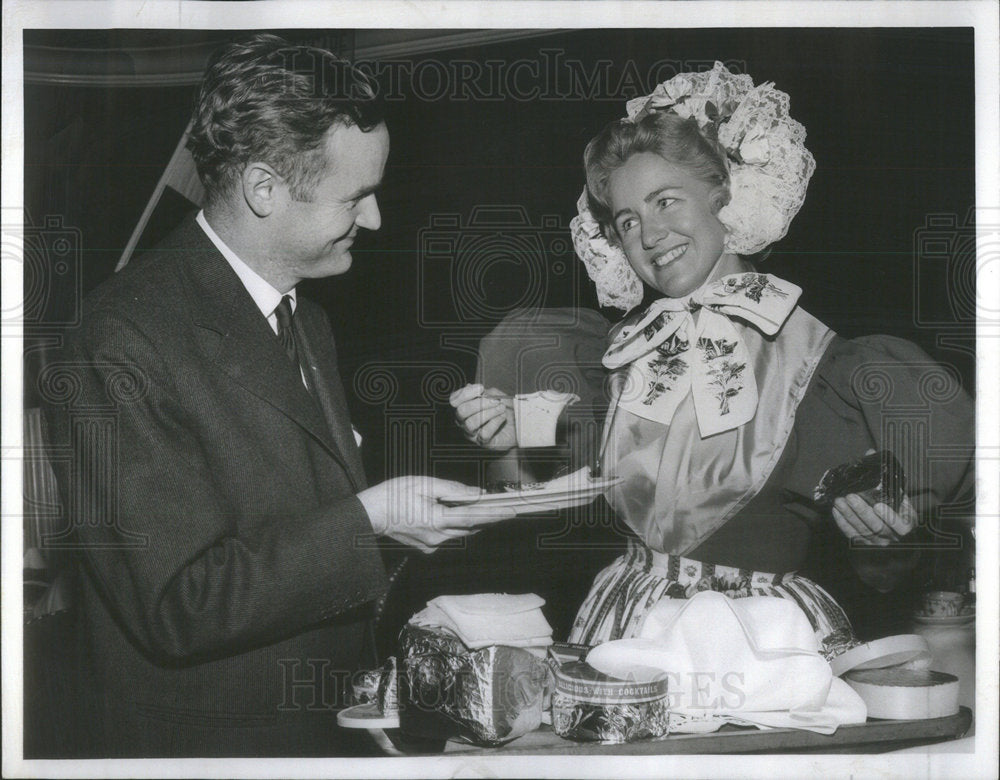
[{"x": 769, "y": 171}]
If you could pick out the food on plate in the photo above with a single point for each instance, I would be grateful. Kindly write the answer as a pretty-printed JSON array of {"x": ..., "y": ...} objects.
[
  {"x": 379, "y": 687},
  {"x": 512, "y": 486}
]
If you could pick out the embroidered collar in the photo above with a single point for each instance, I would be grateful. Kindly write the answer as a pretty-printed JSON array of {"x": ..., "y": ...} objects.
[{"x": 669, "y": 353}]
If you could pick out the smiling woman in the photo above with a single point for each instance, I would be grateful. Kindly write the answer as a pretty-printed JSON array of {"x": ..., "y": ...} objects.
[
  {"x": 728, "y": 402},
  {"x": 657, "y": 186},
  {"x": 665, "y": 219}
]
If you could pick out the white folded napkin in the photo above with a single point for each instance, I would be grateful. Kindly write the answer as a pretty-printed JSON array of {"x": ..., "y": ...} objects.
[
  {"x": 752, "y": 660},
  {"x": 485, "y": 619}
]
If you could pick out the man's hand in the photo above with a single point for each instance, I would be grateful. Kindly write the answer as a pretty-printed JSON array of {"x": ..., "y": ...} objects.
[
  {"x": 406, "y": 509},
  {"x": 876, "y": 525},
  {"x": 486, "y": 417}
]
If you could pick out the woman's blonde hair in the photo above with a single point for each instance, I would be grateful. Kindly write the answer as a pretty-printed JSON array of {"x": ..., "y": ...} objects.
[{"x": 677, "y": 140}]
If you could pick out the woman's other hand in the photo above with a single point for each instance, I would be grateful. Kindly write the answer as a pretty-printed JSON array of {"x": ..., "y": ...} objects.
[
  {"x": 486, "y": 417},
  {"x": 877, "y": 525}
]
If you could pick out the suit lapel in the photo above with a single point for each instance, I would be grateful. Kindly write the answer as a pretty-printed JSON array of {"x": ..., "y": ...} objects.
[
  {"x": 246, "y": 348},
  {"x": 318, "y": 354}
]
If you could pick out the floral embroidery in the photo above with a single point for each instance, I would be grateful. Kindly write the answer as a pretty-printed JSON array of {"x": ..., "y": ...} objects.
[
  {"x": 675, "y": 591},
  {"x": 726, "y": 376},
  {"x": 673, "y": 356},
  {"x": 667, "y": 367},
  {"x": 732, "y": 585},
  {"x": 651, "y": 330},
  {"x": 714, "y": 348},
  {"x": 705, "y": 583},
  {"x": 753, "y": 286},
  {"x": 838, "y": 642}
]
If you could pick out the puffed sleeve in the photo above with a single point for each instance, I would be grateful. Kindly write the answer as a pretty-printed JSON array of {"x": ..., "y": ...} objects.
[
  {"x": 553, "y": 349},
  {"x": 881, "y": 392}
]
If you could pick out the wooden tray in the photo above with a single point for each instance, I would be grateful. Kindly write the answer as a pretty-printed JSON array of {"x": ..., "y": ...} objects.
[{"x": 875, "y": 736}]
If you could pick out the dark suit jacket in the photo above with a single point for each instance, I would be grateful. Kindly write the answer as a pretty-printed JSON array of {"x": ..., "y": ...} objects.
[{"x": 227, "y": 560}]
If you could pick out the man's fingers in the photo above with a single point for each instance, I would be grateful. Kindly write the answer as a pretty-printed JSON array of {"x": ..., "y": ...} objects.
[
  {"x": 432, "y": 487},
  {"x": 472, "y": 515}
]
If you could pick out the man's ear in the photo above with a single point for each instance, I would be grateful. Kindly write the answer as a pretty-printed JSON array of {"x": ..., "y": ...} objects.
[{"x": 261, "y": 187}]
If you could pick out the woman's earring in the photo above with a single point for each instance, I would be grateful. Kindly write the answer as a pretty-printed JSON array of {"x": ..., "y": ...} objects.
[{"x": 728, "y": 245}]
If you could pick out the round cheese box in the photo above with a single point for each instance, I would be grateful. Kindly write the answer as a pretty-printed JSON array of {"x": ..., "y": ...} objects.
[{"x": 905, "y": 694}]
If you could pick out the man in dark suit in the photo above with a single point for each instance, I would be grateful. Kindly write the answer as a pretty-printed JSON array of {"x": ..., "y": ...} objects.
[{"x": 226, "y": 532}]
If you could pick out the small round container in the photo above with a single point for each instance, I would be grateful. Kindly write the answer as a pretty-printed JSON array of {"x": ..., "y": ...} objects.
[
  {"x": 942, "y": 603},
  {"x": 592, "y": 707}
]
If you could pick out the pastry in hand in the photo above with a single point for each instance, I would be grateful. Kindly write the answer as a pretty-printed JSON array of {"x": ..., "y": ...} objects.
[{"x": 878, "y": 478}]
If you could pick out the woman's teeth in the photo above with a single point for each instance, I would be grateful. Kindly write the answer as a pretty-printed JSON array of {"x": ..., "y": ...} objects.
[{"x": 670, "y": 256}]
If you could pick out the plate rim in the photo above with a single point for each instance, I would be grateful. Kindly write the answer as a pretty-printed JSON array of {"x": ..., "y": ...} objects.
[
  {"x": 945, "y": 620},
  {"x": 346, "y": 720},
  {"x": 522, "y": 496}
]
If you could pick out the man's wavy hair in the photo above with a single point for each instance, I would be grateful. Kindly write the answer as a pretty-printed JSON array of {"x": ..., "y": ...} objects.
[{"x": 271, "y": 101}]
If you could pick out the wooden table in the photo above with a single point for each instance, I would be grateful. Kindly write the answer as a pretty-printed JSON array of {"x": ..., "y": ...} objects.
[{"x": 875, "y": 736}]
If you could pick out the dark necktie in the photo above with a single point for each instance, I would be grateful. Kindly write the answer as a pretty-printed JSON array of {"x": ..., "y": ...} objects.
[{"x": 286, "y": 332}]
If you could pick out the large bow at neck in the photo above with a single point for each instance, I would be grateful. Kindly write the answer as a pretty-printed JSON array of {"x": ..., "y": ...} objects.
[{"x": 671, "y": 351}]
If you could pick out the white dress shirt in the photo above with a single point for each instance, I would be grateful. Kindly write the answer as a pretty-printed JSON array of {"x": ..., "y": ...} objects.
[{"x": 264, "y": 295}]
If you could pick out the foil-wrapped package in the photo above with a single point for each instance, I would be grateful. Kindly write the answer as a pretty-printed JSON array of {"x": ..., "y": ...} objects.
[
  {"x": 487, "y": 696},
  {"x": 878, "y": 477},
  {"x": 588, "y": 706}
]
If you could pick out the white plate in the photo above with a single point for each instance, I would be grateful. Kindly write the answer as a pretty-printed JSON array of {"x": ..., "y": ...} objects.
[
  {"x": 556, "y": 497},
  {"x": 944, "y": 620},
  {"x": 367, "y": 716}
]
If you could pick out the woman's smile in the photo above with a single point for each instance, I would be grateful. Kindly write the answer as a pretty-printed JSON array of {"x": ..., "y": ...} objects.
[
  {"x": 665, "y": 219},
  {"x": 669, "y": 256}
]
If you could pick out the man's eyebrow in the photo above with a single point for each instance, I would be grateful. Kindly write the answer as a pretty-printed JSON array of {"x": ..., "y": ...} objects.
[
  {"x": 365, "y": 191},
  {"x": 652, "y": 196}
]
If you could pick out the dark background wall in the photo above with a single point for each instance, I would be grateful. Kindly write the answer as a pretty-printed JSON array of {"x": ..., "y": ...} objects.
[{"x": 882, "y": 244}]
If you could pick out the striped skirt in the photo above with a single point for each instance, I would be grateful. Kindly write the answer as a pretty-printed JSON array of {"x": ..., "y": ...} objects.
[{"x": 626, "y": 590}]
